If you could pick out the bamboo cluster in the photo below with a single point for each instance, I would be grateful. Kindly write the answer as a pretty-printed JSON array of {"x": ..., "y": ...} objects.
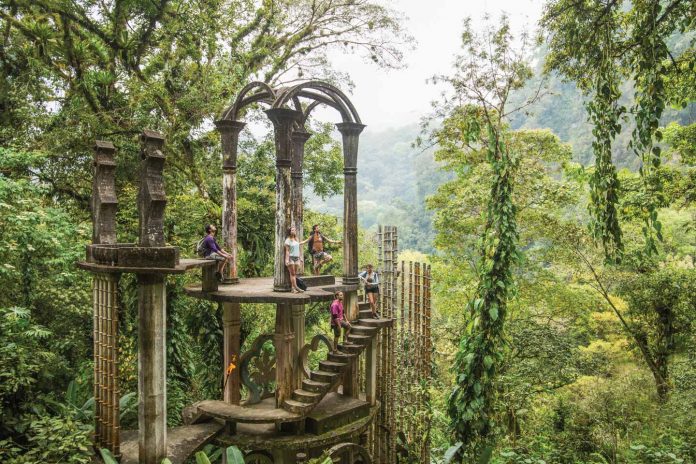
[
  {"x": 406, "y": 349},
  {"x": 106, "y": 391}
]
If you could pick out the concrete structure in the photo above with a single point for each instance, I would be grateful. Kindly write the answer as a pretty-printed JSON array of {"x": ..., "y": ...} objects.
[{"x": 274, "y": 405}]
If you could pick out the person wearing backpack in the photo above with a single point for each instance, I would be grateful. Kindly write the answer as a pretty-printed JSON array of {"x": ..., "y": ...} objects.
[
  {"x": 208, "y": 248},
  {"x": 371, "y": 280}
]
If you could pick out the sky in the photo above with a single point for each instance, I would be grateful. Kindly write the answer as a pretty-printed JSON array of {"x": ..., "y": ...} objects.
[{"x": 397, "y": 97}]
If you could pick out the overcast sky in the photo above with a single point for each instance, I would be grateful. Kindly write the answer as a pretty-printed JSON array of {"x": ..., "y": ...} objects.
[{"x": 393, "y": 98}]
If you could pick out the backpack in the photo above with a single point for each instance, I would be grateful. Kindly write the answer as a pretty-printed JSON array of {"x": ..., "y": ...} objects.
[
  {"x": 201, "y": 248},
  {"x": 301, "y": 284}
]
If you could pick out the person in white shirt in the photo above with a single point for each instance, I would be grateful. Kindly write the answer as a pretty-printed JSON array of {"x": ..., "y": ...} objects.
[{"x": 292, "y": 257}]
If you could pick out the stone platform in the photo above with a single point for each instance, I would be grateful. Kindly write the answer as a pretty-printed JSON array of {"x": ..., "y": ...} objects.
[
  {"x": 182, "y": 442},
  {"x": 181, "y": 267},
  {"x": 335, "y": 419},
  {"x": 260, "y": 290}
]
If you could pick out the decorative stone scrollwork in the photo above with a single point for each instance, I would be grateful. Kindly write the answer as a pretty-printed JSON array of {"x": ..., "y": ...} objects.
[
  {"x": 313, "y": 346},
  {"x": 259, "y": 381},
  {"x": 258, "y": 457},
  {"x": 349, "y": 453}
]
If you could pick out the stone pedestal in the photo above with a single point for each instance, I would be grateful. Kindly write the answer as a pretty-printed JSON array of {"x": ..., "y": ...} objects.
[
  {"x": 152, "y": 382},
  {"x": 298, "y": 328},
  {"x": 231, "y": 323},
  {"x": 283, "y": 339},
  {"x": 371, "y": 370}
]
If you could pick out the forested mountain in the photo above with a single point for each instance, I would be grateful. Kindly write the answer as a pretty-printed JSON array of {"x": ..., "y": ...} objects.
[{"x": 394, "y": 178}]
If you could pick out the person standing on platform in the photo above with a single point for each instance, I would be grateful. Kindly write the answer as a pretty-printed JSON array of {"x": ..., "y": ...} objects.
[
  {"x": 292, "y": 257},
  {"x": 338, "y": 322},
  {"x": 211, "y": 250},
  {"x": 371, "y": 280},
  {"x": 316, "y": 248}
]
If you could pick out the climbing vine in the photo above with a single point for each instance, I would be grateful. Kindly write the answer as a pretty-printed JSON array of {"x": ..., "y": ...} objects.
[
  {"x": 475, "y": 131},
  {"x": 471, "y": 403},
  {"x": 650, "y": 97},
  {"x": 605, "y": 112},
  {"x": 598, "y": 45}
]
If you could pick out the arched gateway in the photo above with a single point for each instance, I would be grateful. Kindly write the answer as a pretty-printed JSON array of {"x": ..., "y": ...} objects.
[{"x": 289, "y": 413}]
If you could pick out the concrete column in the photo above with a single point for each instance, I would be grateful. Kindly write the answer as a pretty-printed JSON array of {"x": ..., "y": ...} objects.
[
  {"x": 351, "y": 378},
  {"x": 229, "y": 134},
  {"x": 231, "y": 323},
  {"x": 152, "y": 368},
  {"x": 151, "y": 196},
  {"x": 283, "y": 340},
  {"x": 298, "y": 328},
  {"x": 299, "y": 139},
  {"x": 104, "y": 201},
  {"x": 283, "y": 121},
  {"x": 351, "y": 134},
  {"x": 371, "y": 370}
]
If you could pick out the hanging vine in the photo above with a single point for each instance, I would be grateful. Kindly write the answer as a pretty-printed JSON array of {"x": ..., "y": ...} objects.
[
  {"x": 650, "y": 96},
  {"x": 605, "y": 112}
]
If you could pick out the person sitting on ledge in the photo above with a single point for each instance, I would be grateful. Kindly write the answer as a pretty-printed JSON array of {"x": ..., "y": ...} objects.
[
  {"x": 338, "y": 322},
  {"x": 211, "y": 250},
  {"x": 316, "y": 248},
  {"x": 292, "y": 257}
]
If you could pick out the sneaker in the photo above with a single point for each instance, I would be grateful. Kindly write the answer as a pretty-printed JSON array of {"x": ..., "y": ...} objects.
[
  {"x": 294, "y": 290},
  {"x": 218, "y": 276}
]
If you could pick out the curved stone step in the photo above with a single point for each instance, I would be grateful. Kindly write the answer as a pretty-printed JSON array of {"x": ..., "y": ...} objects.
[
  {"x": 304, "y": 396},
  {"x": 323, "y": 376},
  {"x": 350, "y": 348},
  {"x": 360, "y": 329},
  {"x": 332, "y": 366},
  {"x": 359, "y": 339},
  {"x": 381, "y": 322},
  {"x": 341, "y": 357},
  {"x": 363, "y": 305},
  {"x": 297, "y": 407},
  {"x": 366, "y": 313},
  {"x": 315, "y": 386}
]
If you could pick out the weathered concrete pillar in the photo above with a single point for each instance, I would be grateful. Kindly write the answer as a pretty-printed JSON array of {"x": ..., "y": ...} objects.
[
  {"x": 283, "y": 121},
  {"x": 104, "y": 201},
  {"x": 151, "y": 197},
  {"x": 231, "y": 323},
  {"x": 152, "y": 368},
  {"x": 298, "y": 328},
  {"x": 351, "y": 134},
  {"x": 371, "y": 370},
  {"x": 283, "y": 340},
  {"x": 351, "y": 379},
  {"x": 299, "y": 139},
  {"x": 229, "y": 134}
]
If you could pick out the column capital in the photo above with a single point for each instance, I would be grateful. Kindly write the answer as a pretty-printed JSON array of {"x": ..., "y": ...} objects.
[
  {"x": 281, "y": 116},
  {"x": 228, "y": 125},
  {"x": 229, "y": 134},
  {"x": 350, "y": 128},
  {"x": 300, "y": 135}
]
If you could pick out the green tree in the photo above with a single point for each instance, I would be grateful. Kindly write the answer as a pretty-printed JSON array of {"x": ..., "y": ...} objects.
[
  {"x": 475, "y": 129},
  {"x": 597, "y": 44}
]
